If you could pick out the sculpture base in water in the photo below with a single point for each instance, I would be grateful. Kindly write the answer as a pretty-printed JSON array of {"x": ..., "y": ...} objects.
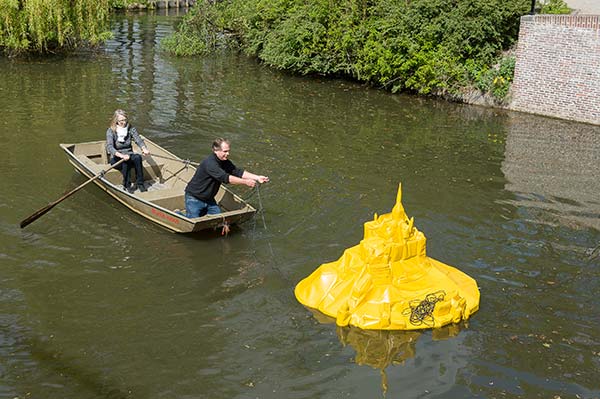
[{"x": 387, "y": 282}]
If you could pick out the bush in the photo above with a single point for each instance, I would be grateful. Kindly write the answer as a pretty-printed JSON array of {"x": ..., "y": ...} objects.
[
  {"x": 182, "y": 43},
  {"x": 423, "y": 46},
  {"x": 554, "y": 7},
  {"x": 198, "y": 33},
  {"x": 497, "y": 79}
]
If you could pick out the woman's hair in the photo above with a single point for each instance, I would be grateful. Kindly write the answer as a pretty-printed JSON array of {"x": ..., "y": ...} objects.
[
  {"x": 113, "y": 120},
  {"x": 216, "y": 145}
]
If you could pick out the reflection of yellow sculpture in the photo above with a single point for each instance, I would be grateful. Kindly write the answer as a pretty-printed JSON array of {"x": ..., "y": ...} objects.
[
  {"x": 383, "y": 348},
  {"x": 380, "y": 349},
  {"x": 388, "y": 282},
  {"x": 377, "y": 348}
]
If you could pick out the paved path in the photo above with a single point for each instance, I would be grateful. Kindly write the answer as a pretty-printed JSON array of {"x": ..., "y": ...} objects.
[{"x": 584, "y": 6}]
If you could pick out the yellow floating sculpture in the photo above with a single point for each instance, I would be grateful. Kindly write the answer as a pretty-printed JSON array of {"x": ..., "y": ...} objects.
[{"x": 388, "y": 282}]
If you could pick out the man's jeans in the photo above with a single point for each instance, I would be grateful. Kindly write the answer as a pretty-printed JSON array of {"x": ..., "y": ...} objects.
[{"x": 195, "y": 208}]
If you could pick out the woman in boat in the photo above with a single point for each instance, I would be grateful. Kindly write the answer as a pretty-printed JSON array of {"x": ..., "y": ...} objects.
[
  {"x": 119, "y": 137},
  {"x": 214, "y": 170}
]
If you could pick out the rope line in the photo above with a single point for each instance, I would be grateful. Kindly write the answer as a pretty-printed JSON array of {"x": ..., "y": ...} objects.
[
  {"x": 421, "y": 311},
  {"x": 260, "y": 206},
  {"x": 260, "y": 210},
  {"x": 184, "y": 161}
]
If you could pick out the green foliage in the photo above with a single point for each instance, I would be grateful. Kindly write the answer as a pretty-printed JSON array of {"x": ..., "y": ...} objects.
[
  {"x": 497, "y": 79},
  {"x": 554, "y": 7},
  {"x": 197, "y": 34},
  {"x": 424, "y": 46},
  {"x": 119, "y": 3},
  {"x": 126, "y": 3},
  {"x": 183, "y": 43},
  {"x": 45, "y": 25}
]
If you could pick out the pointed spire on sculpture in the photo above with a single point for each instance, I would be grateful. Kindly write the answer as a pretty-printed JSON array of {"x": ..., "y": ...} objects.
[{"x": 398, "y": 210}]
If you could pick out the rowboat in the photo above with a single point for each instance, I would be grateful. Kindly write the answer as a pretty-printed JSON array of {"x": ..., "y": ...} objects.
[{"x": 165, "y": 178}]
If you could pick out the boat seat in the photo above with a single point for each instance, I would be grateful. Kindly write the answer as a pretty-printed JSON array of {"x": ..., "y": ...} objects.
[
  {"x": 153, "y": 195},
  {"x": 95, "y": 152},
  {"x": 169, "y": 198},
  {"x": 151, "y": 172}
]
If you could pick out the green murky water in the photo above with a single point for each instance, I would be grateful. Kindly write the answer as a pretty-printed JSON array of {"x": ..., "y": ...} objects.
[{"x": 96, "y": 302}]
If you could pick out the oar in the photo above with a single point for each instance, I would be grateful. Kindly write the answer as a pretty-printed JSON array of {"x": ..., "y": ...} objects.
[{"x": 51, "y": 205}]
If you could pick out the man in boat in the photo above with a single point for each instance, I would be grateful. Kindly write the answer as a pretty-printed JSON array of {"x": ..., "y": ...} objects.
[
  {"x": 119, "y": 137},
  {"x": 212, "y": 172}
]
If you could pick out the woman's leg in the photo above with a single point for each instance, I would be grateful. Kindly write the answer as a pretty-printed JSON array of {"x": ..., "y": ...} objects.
[
  {"x": 124, "y": 168},
  {"x": 136, "y": 159}
]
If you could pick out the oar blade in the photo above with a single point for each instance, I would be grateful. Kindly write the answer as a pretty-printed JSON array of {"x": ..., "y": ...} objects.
[
  {"x": 37, "y": 215},
  {"x": 45, "y": 209}
]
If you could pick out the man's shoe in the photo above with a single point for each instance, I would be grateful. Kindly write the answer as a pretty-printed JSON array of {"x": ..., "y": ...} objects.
[{"x": 142, "y": 187}]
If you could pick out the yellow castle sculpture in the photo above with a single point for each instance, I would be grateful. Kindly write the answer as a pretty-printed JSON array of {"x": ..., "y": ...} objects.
[{"x": 387, "y": 282}]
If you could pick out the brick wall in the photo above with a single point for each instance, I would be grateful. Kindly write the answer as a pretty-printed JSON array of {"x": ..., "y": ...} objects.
[{"x": 558, "y": 67}]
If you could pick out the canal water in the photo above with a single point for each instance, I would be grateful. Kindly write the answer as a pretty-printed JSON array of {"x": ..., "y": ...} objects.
[{"x": 96, "y": 302}]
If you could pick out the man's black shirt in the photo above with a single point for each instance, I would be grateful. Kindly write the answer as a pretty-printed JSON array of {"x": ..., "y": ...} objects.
[{"x": 208, "y": 177}]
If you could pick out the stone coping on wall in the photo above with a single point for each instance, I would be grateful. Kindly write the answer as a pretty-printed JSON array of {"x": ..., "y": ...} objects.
[{"x": 571, "y": 21}]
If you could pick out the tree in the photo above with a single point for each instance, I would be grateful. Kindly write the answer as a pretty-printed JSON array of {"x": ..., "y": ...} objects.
[{"x": 52, "y": 25}]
